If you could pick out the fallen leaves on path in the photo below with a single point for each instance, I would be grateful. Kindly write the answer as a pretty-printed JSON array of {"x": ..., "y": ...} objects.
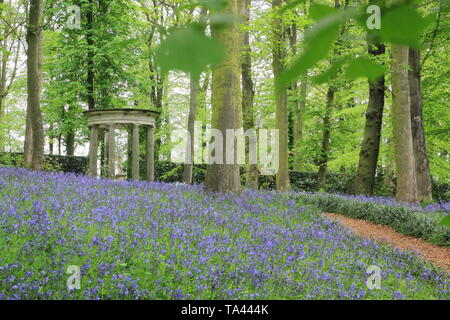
[{"x": 438, "y": 255}]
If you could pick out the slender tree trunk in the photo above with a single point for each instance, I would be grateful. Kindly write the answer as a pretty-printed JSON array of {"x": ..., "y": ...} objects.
[
  {"x": 90, "y": 56},
  {"x": 279, "y": 56},
  {"x": 226, "y": 106},
  {"x": 70, "y": 143},
  {"x": 422, "y": 166},
  {"x": 70, "y": 138},
  {"x": 34, "y": 40},
  {"x": 402, "y": 133},
  {"x": 248, "y": 93},
  {"x": 299, "y": 104},
  {"x": 323, "y": 160},
  {"x": 3, "y": 66},
  {"x": 3, "y": 70},
  {"x": 59, "y": 143},
  {"x": 370, "y": 147},
  {"x": 299, "y": 107},
  {"x": 189, "y": 159},
  {"x": 158, "y": 90},
  {"x": 193, "y": 104},
  {"x": 28, "y": 143},
  {"x": 202, "y": 109},
  {"x": 331, "y": 93},
  {"x": 51, "y": 139}
]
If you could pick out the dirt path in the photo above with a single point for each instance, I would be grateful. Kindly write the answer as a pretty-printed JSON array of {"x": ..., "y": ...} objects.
[{"x": 440, "y": 256}]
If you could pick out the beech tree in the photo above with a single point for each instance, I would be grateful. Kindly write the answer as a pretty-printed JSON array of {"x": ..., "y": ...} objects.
[
  {"x": 278, "y": 63},
  {"x": 226, "y": 102},
  {"x": 10, "y": 50},
  {"x": 422, "y": 167},
  {"x": 401, "y": 121},
  {"x": 248, "y": 94},
  {"x": 34, "y": 79},
  {"x": 370, "y": 146}
]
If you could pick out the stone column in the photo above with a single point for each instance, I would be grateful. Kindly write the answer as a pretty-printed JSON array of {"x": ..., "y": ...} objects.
[
  {"x": 135, "y": 153},
  {"x": 112, "y": 152},
  {"x": 150, "y": 156},
  {"x": 93, "y": 149}
]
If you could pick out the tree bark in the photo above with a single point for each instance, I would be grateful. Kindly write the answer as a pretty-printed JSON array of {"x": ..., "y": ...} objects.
[
  {"x": 402, "y": 133},
  {"x": 323, "y": 157},
  {"x": 189, "y": 159},
  {"x": 248, "y": 93},
  {"x": 299, "y": 107},
  {"x": 70, "y": 139},
  {"x": 192, "y": 116},
  {"x": 331, "y": 92},
  {"x": 28, "y": 143},
  {"x": 299, "y": 104},
  {"x": 90, "y": 56},
  {"x": 226, "y": 107},
  {"x": 278, "y": 61},
  {"x": 34, "y": 67},
  {"x": 422, "y": 165},
  {"x": 370, "y": 147},
  {"x": 51, "y": 140}
]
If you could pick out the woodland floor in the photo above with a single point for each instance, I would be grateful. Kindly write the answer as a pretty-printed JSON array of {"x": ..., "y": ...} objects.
[{"x": 439, "y": 256}]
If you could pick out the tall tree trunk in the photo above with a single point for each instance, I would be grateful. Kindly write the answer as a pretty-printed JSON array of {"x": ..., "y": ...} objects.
[
  {"x": 279, "y": 56},
  {"x": 402, "y": 133},
  {"x": 323, "y": 157},
  {"x": 51, "y": 139},
  {"x": 70, "y": 143},
  {"x": 189, "y": 159},
  {"x": 331, "y": 93},
  {"x": 157, "y": 93},
  {"x": 248, "y": 93},
  {"x": 90, "y": 56},
  {"x": 422, "y": 166},
  {"x": 28, "y": 143},
  {"x": 299, "y": 104},
  {"x": 70, "y": 138},
  {"x": 370, "y": 147},
  {"x": 59, "y": 143},
  {"x": 3, "y": 66},
  {"x": 226, "y": 107},
  {"x": 299, "y": 107},
  {"x": 202, "y": 110},
  {"x": 34, "y": 56},
  {"x": 193, "y": 103}
]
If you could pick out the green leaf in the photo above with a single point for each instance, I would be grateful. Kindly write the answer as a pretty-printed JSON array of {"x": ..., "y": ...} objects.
[
  {"x": 214, "y": 5},
  {"x": 332, "y": 71},
  {"x": 318, "y": 44},
  {"x": 363, "y": 67},
  {"x": 446, "y": 221},
  {"x": 223, "y": 19},
  {"x": 188, "y": 49},
  {"x": 319, "y": 11},
  {"x": 402, "y": 25},
  {"x": 291, "y": 5},
  {"x": 445, "y": 5}
]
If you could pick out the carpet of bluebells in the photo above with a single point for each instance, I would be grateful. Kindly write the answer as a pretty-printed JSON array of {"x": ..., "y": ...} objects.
[{"x": 138, "y": 240}]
